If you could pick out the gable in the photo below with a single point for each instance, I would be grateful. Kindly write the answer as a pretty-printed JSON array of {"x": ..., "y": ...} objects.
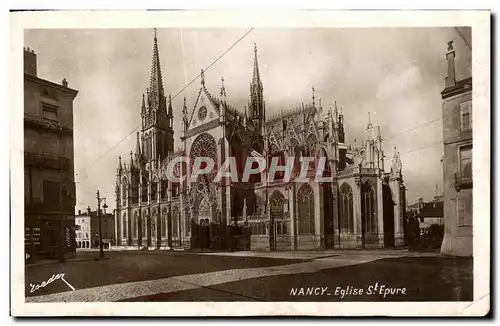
[{"x": 205, "y": 109}]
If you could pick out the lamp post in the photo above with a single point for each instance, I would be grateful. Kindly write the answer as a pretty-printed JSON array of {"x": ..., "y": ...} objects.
[{"x": 101, "y": 248}]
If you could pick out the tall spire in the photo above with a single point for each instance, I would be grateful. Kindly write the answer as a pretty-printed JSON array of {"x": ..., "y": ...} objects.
[
  {"x": 143, "y": 107},
  {"x": 119, "y": 165},
  {"x": 138, "y": 148},
  {"x": 313, "y": 91},
  {"x": 256, "y": 106},
  {"x": 156, "y": 93},
  {"x": 222, "y": 89},
  {"x": 256, "y": 74}
]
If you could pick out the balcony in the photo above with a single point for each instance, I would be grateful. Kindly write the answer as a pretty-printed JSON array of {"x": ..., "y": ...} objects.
[
  {"x": 54, "y": 209},
  {"x": 462, "y": 181},
  {"x": 46, "y": 161},
  {"x": 36, "y": 121}
]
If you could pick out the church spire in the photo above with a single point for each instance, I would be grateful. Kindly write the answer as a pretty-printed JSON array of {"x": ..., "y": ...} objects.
[
  {"x": 156, "y": 93},
  {"x": 256, "y": 74},
  {"x": 256, "y": 106}
]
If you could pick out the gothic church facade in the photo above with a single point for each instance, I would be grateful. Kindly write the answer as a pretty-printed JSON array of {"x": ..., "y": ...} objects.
[{"x": 362, "y": 208}]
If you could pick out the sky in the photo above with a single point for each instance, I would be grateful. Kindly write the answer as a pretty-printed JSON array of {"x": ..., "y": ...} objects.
[{"x": 396, "y": 74}]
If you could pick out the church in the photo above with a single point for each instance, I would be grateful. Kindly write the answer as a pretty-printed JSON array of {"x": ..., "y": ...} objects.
[{"x": 363, "y": 206}]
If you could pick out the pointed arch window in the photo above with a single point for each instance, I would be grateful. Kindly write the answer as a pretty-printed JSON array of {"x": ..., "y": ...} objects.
[
  {"x": 175, "y": 221},
  {"x": 124, "y": 225},
  {"x": 305, "y": 198},
  {"x": 346, "y": 209},
  {"x": 369, "y": 208},
  {"x": 135, "y": 224},
  {"x": 144, "y": 224},
  {"x": 164, "y": 222},
  {"x": 204, "y": 146}
]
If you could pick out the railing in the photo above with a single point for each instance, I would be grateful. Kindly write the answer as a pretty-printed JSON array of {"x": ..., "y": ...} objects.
[
  {"x": 46, "y": 161},
  {"x": 41, "y": 122},
  {"x": 462, "y": 181}
]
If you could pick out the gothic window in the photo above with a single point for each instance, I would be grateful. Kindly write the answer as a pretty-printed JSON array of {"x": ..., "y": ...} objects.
[
  {"x": 144, "y": 189},
  {"x": 259, "y": 208},
  {"x": 134, "y": 193},
  {"x": 135, "y": 224},
  {"x": 276, "y": 202},
  {"x": 124, "y": 225},
  {"x": 369, "y": 208},
  {"x": 204, "y": 146},
  {"x": 154, "y": 191},
  {"x": 175, "y": 221},
  {"x": 346, "y": 209},
  {"x": 164, "y": 222},
  {"x": 311, "y": 142},
  {"x": 278, "y": 175},
  {"x": 164, "y": 188},
  {"x": 124, "y": 194},
  {"x": 153, "y": 222},
  {"x": 144, "y": 223},
  {"x": 305, "y": 198}
]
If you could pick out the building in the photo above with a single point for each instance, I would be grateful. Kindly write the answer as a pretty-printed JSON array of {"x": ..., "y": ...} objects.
[
  {"x": 457, "y": 139},
  {"x": 363, "y": 208},
  {"x": 427, "y": 213},
  {"x": 87, "y": 229},
  {"x": 49, "y": 187}
]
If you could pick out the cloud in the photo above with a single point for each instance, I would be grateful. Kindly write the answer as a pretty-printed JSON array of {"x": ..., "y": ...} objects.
[{"x": 398, "y": 84}]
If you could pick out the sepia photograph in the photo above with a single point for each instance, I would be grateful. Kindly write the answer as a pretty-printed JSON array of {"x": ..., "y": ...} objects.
[{"x": 178, "y": 163}]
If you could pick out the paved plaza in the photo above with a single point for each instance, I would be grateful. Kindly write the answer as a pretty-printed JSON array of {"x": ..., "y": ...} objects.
[{"x": 253, "y": 276}]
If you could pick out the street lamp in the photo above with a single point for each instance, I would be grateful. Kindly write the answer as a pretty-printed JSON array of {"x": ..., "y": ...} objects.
[{"x": 101, "y": 248}]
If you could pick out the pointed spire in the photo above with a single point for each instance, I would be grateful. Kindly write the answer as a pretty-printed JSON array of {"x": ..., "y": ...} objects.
[
  {"x": 184, "y": 115},
  {"x": 120, "y": 168},
  {"x": 170, "y": 114},
  {"x": 256, "y": 74},
  {"x": 222, "y": 89},
  {"x": 143, "y": 107},
  {"x": 202, "y": 76},
  {"x": 313, "y": 91},
  {"x": 369, "y": 121},
  {"x": 156, "y": 93},
  {"x": 379, "y": 137},
  {"x": 131, "y": 160}
]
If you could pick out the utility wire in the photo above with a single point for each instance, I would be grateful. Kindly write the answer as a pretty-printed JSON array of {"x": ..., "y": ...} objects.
[
  {"x": 192, "y": 81},
  {"x": 423, "y": 147},
  {"x": 414, "y": 128},
  {"x": 463, "y": 38}
]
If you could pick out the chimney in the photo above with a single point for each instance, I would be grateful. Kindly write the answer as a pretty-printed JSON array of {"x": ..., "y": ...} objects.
[
  {"x": 29, "y": 62},
  {"x": 64, "y": 82},
  {"x": 450, "y": 58},
  {"x": 88, "y": 210},
  {"x": 79, "y": 212}
]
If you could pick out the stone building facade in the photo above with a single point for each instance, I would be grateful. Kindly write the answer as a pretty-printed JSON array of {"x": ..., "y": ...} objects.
[
  {"x": 49, "y": 185},
  {"x": 363, "y": 207},
  {"x": 87, "y": 229},
  {"x": 457, "y": 168}
]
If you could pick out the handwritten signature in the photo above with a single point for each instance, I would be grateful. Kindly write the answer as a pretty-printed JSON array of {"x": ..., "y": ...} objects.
[{"x": 54, "y": 277}]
